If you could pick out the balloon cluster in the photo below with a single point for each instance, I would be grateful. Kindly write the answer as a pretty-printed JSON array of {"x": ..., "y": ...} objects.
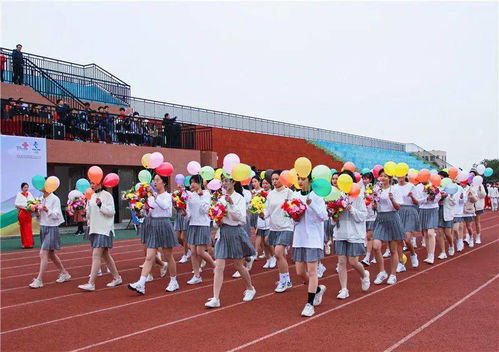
[{"x": 49, "y": 185}]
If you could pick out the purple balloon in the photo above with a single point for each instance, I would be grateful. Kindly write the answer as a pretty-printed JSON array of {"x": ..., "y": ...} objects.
[
  {"x": 470, "y": 178},
  {"x": 179, "y": 179}
]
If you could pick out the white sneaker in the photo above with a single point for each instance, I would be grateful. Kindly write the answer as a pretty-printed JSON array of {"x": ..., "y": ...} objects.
[
  {"x": 467, "y": 238},
  {"x": 321, "y": 269},
  {"x": 343, "y": 294},
  {"x": 392, "y": 280},
  {"x": 149, "y": 278},
  {"x": 212, "y": 303},
  {"x": 63, "y": 278},
  {"x": 442, "y": 256},
  {"x": 308, "y": 310},
  {"x": 273, "y": 262},
  {"x": 249, "y": 295},
  {"x": 478, "y": 240},
  {"x": 365, "y": 281},
  {"x": 387, "y": 254},
  {"x": 430, "y": 259},
  {"x": 36, "y": 283},
  {"x": 373, "y": 261},
  {"x": 471, "y": 244},
  {"x": 401, "y": 268},
  {"x": 203, "y": 263},
  {"x": 249, "y": 264},
  {"x": 99, "y": 273},
  {"x": 414, "y": 260},
  {"x": 261, "y": 256},
  {"x": 87, "y": 287},
  {"x": 423, "y": 243},
  {"x": 195, "y": 280},
  {"x": 365, "y": 262},
  {"x": 460, "y": 245},
  {"x": 414, "y": 242},
  {"x": 137, "y": 287},
  {"x": 172, "y": 286},
  {"x": 267, "y": 264},
  {"x": 236, "y": 275},
  {"x": 451, "y": 251},
  {"x": 404, "y": 248},
  {"x": 115, "y": 282},
  {"x": 184, "y": 259},
  {"x": 382, "y": 276},
  {"x": 283, "y": 286},
  {"x": 327, "y": 249},
  {"x": 141, "y": 266},
  {"x": 318, "y": 295},
  {"x": 163, "y": 270}
]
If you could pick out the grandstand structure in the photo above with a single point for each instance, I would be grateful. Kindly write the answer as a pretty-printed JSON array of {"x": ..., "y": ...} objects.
[{"x": 205, "y": 135}]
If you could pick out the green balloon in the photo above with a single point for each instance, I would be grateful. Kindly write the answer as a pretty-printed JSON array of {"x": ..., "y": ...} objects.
[
  {"x": 38, "y": 182},
  {"x": 321, "y": 187},
  {"x": 333, "y": 171},
  {"x": 187, "y": 181},
  {"x": 207, "y": 173},
  {"x": 145, "y": 176},
  {"x": 365, "y": 170},
  {"x": 446, "y": 181},
  {"x": 335, "y": 194},
  {"x": 321, "y": 171}
]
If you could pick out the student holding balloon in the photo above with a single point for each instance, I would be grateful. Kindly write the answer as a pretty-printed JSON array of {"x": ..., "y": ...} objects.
[
  {"x": 480, "y": 190},
  {"x": 368, "y": 185}
]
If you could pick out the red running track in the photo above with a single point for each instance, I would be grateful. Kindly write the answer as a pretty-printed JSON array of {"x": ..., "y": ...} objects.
[{"x": 449, "y": 306}]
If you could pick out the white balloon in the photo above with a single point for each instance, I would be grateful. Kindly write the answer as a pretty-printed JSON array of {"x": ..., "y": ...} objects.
[
  {"x": 74, "y": 193},
  {"x": 477, "y": 180},
  {"x": 433, "y": 172},
  {"x": 480, "y": 169},
  {"x": 462, "y": 176}
]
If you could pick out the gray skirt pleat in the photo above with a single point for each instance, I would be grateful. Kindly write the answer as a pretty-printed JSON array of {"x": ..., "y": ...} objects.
[
  {"x": 370, "y": 225},
  {"x": 247, "y": 226},
  {"x": 429, "y": 218},
  {"x": 349, "y": 249},
  {"x": 458, "y": 219},
  {"x": 160, "y": 234},
  {"x": 198, "y": 235},
  {"x": 479, "y": 212},
  {"x": 181, "y": 223},
  {"x": 143, "y": 229},
  {"x": 283, "y": 238},
  {"x": 441, "y": 222},
  {"x": 328, "y": 230},
  {"x": 409, "y": 217},
  {"x": 469, "y": 218},
  {"x": 262, "y": 232},
  {"x": 233, "y": 243},
  {"x": 388, "y": 227},
  {"x": 253, "y": 220},
  {"x": 98, "y": 240},
  {"x": 50, "y": 238},
  {"x": 309, "y": 255}
]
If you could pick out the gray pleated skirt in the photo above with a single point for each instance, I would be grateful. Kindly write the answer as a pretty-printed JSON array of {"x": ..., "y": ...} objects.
[
  {"x": 388, "y": 227},
  {"x": 253, "y": 220},
  {"x": 98, "y": 240},
  {"x": 409, "y": 217},
  {"x": 262, "y": 232},
  {"x": 198, "y": 235},
  {"x": 479, "y": 212},
  {"x": 349, "y": 249},
  {"x": 181, "y": 223},
  {"x": 247, "y": 227},
  {"x": 50, "y": 238},
  {"x": 328, "y": 230},
  {"x": 458, "y": 219},
  {"x": 160, "y": 233},
  {"x": 429, "y": 218},
  {"x": 441, "y": 222},
  {"x": 309, "y": 255},
  {"x": 233, "y": 243},
  {"x": 370, "y": 225},
  {"x": 144, "y": 230},
  {"x": 283, "y": 238},
  {"x": 469, "y": 218}
]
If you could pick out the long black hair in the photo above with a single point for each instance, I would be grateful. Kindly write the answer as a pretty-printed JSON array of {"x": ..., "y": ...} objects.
[
  {"x": 369, "y": 175},
  {"x": 238, "y": 187},
  {"x": 197, "y": 179}
]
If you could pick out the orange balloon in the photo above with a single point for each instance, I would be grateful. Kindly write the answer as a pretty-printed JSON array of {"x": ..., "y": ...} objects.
[
  {"x": 424, "y": 175},
  {"x": 284, "y": 178},
  {"x": 246, "y": 182},
  {"x": 413, "y": 178},
  {"x": 354, "y": 193},
  {"x": 436, "y": 180},
  {"x": 95, "y": 174},
  {"x": 348, "y": 166},
  {"x": 88, "y": 193},
  {"x": 453, "y": 173}
]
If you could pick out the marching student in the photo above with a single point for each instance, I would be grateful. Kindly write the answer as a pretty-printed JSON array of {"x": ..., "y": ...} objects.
[
  {"x": 247, "y": 228},
  {"x": 281, "y": 229},
  {"x": 100, "y": 219},
  {"x": 445, "y": 221},
  {"x": 160, "y": 236},
  {"x": 233, "y": 242},
  {"x": 387, "y": 228},
  {"x": 50, "y": 216},
  {"x": 428, "y": 212},
  {"x": 349, "y": 239},
  {"x": 458, "y": 223},
  {"x": 256, "y": 187},
  {"x": 262, "y": 232},
  {"x": 368, "y": 182},
  {"x": 481, "y": 193},
  {"x": 181, "y": 226},
  {"x": 494, "y": 195},
  {"x": 199, "y": 231},
  {"x": 469, "y": 213},
  {"x": 308, "y": 243}
]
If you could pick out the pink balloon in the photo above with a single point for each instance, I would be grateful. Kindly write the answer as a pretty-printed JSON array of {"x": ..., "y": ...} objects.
[
  {"x": 231, "y": 159},
  {"x": 155, "y": 160},
  {"x": 165, "y": 169},
  {"x": 111, "y": 180},
  {"x": 193, "y": 167},
  {"x": 357, "y": 176},
  {"x": 376, "y": 170},
  {"x": 214, "y": 184}
]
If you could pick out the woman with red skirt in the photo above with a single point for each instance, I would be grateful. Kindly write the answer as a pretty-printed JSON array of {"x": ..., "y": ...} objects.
[{"x": 24, "y": 216}]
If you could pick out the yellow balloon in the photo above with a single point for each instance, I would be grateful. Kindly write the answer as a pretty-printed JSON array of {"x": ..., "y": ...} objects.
[
  {"x": 145, "y": 160},
  {"x": 262, "y": 175},
  {"x": 345, "y": 183},
  {"x": 218, "y": 174},
  {"x": 303, "y": 166},
  {"x": 293, "y": 177},
  {"x": 404, "y": 259},
  {"x": 389, "y": 168},
  {"x": 241, "y": 172},
  {"x": 401, "y": 170},
  {"x": 51, "y": 184}
]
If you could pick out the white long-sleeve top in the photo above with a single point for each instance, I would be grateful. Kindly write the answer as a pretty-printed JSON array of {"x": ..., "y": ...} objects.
[
  {"x": 101, "y": 219},
  {"x": 22, "y": 201},
  {"x": 160, "y": 206},
  {"x": 236, "y": 212},
  {"x": 385, "y": 204},
  {"x": 371, "y": 214},
  {"x": 197, "y": 208},
  {"x": 460, "y": 198},
  {"x": 351, "y": 225},
  {"x": 448, "y": 204},
  {"x": 493, "y": 192},
  {"x": 247, "y": 197},
  {"x": 309, "y": 231},
  {"x": 469, "y": 204},
  {"x": 424, "y": 202},
  {"x": 53, "y": 215},
  {"x": 480, "y": 191},
  {"x": 403, "y": 191},
  {"x": 278, "y": 220}
]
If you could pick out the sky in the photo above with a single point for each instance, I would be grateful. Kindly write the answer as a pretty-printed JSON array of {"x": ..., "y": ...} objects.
[{"x": 412, "y": 72}]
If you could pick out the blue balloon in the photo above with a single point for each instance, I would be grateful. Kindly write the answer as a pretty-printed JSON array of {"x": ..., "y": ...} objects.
[
  {"x": 187, "y": 181},
  {"x": 82, "y": 185},
  {"x": 333, "y": 171},
  {"x": 451, "y": 188},
  {"x": 488, "y": 172}
]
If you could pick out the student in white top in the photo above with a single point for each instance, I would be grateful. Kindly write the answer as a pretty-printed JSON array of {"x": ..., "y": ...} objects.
[
  {"x": 262, "y": 232},
  {"x": 458, "y": 227},
  {"x": 469, "y": 213},
  {"x": 479, "y": 207},
  {"x": 494, "y": 196},
  {"x": 50, "y": 216},
  {"x": 428, "y": 207},
  {"x": 308, "y": 243},
  {"x": 368, "y": 183}
]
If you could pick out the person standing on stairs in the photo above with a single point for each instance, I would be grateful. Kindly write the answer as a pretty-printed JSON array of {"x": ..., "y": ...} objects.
[{"x": 18, "y": 65}]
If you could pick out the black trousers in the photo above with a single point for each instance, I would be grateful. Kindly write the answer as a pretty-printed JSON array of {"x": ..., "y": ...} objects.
[{"x": 18, "y": 76}]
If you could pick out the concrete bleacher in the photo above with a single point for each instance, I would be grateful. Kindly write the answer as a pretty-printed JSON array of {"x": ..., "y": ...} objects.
[{"x": 367, "y": 157}]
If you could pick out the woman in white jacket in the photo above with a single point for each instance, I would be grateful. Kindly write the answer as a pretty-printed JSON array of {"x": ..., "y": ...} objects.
[{"x": 479, "y": 207}]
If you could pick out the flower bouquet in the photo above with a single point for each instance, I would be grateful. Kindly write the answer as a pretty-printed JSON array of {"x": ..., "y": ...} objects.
[
  {"x": 431, "y": 190},
  {"x": 34, "y": 205},
  {"x": 75, "y": 204},
  {"x": 179, "y": 198},
  {"x": 215, "y": 196},
  {"x": 294, "y": 208},
  {"x": 257, "y": 203},
  {"x": 217, "y": 212},
  {"x": 336, "y": 207}
]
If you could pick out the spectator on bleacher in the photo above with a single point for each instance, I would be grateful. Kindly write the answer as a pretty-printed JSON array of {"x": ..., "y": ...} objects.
[
  {"x": 22, "y": 107},
  {"x": 146, "y": 133},
  {"x": 3, "y": 61},
  {"x": 11, "y": 110},
  {"x": 82, "y": 126},
  {"x": 135, "y": 129},
  {"x": 102, "y": 131},
  {"x": 169, "y": 129},
  {"x": 45, "y": 114},
  {"x": 156, "y": 139},
  {"x": 18, "y": 65},
  {"x": 61, "y": 110}
]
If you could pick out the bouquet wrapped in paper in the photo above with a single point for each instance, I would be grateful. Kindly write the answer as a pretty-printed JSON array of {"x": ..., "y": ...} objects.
[
  {"x": 217, "y": 212},
  {"x": 179, "y": 198},
  {"x": 215, "y": 197},
  {"x": 34, "y": 205},
  {"x": 431, "y": 190},
  {"x": 75, "y": 204},
  {"x": 258, "y": 202},
  {"x": 336, "y": 207},
  {"x": 294, "y": 208}
]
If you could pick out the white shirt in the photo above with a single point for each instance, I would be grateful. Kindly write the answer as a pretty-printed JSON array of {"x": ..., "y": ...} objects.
[
  {"x": 236, "y": 212},
  {"x": 459, "y": 206},
  {"x": 278, "y": 220},
  {"x": 101, "y": 219},
  {"x": 371, "y": 214},
  {"x": 53, "y": 215},
  {"x": 480, "y": 191},
  {"x": 247, "y": 196},
  {"x": 385, "y": 204},
  {"x": 493, "y": 192},
  {"x": 161, "y": 206},
  {"x": 309, "y": 231},
  {"x": 351, "y": 225},
  {"x": 22, "y": 201},
  {"x": 403, "y": 191},
  {"x": 197, "y": 209}
]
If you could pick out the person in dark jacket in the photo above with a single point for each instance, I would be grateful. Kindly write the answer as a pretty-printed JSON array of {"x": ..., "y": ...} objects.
[{"x": 18, "y": 65}]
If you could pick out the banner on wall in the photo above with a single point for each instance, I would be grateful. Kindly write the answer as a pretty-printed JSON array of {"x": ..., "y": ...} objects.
[{"x": 21, "y": 159}]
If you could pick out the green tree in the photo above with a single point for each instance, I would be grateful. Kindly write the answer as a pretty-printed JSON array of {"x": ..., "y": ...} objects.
[{"x": 494, "y": 165}]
